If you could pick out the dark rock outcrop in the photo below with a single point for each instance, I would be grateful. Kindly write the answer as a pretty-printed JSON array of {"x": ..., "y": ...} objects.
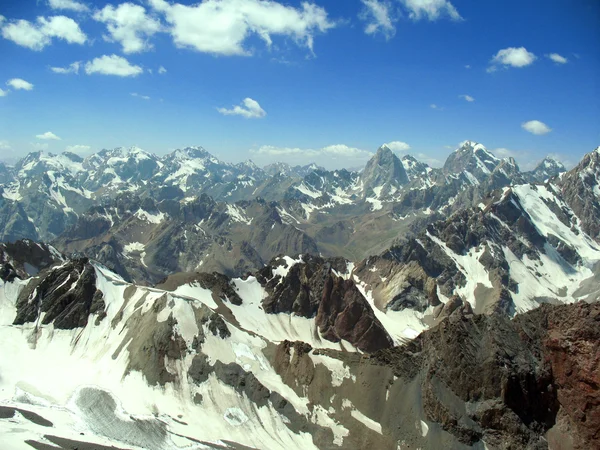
[
  {"x": 301, "y": 290},
  {"x": 527, "y": 383},
  {"x": 67, "y": 295},
  {"x": 345, "y": 314}
]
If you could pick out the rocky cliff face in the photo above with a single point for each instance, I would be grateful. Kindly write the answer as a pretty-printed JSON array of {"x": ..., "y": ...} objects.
[
  {"x": 344, "y": 314},
  {"x": 384, "y": 173},
  {"x": 66, "y": 297},
  {"x": 581, "y": 190},
  {"x": 567, "y": 339}
]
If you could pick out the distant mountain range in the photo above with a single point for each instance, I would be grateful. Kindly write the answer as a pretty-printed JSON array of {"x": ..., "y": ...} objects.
[{"x": 114, "y": 201}]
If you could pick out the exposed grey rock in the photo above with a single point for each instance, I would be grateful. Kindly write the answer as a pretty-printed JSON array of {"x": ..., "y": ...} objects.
[
  {"x": 579, "y": 188},
  {"x": 67, "y": 295},
  {"x": 384, "y": 170}
]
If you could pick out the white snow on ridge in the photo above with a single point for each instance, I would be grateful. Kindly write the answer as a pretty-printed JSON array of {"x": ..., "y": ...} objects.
[
  {"x": 237, "y": 214},
  {"x": 377, "y": 204},
  {"x": 546, "y": 222},
  {"x": 86, "y": 358},
  {"x": 133, "y": 247},
  {"x": 282, "y": 271},
  {"x": 474, "y": 272},
  {"x": 307, "y": 191},
  {"x": 196, "y": 292},
  {"x": 276, "y": 327},
  {"x": 400, "y": 325},
  {"x": 11, "y": 192},
  {"x": 149, "y": 217}
]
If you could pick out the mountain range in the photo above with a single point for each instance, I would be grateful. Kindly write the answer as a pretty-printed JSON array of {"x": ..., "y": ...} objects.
[
  {"x": 190, "y": 303},
  {"x": 190, "y": 203}
]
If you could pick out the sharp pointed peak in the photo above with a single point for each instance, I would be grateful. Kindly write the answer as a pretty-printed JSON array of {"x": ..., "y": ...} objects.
[{"x": 384, "y": 149}]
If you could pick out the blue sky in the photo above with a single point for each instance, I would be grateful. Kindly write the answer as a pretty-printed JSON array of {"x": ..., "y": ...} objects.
[{"x": 328, "y": 80}]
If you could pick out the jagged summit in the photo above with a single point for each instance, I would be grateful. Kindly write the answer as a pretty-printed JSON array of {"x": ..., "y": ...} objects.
[
  {"x": 384, "y": 173},
  {"x": 581, "y": 188},
  {"x": 473, "y": 159},
  {"x": 190, "y": 153},
  {"x": 547, "y": 168}
]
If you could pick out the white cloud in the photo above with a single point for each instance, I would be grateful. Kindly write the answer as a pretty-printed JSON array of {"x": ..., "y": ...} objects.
[
  {"x": 467, "y": 98},
  {"x": 345, "y": 151},
  {"x": 335, "y": 151},
  {"x": 536, "y": 127},
  {"x": 48, "y": 136},
  {"x": 431, "y": 9},
  {"x": 468, "y": 66},
  {"x": 79, "y": 149},
  {"x": 129, "y": 25},
  {"x": 68, "y": 4},
  {"x": 3, "y": 93},
  {"x": 143, "y": 97},
  {"x": 557, "y": 58},
  {"x": 4, "y": 145},
  {"x": 20, "y": 84},
  {"x": 398, "y": 146},
  {"x": 71, "y": 68},
  {"x": 436, "y": 107},
  {"x": 112, "y": 65},
  {"x": 378, "y": 16},
  {"x": 39, "y": 35},
  {"x": 62, "y": 27},
  {"x": 512, "y": 56},
  {"x": 250, "y": 110},
  {"x": 25, "y": 34},
  {"x": 222, "y": 26},
  {"x": 162, "y": 70}
]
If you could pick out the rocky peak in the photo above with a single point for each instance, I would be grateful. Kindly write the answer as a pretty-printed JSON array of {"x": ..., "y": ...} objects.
[
  {"x": 504, "y": 174},
  {"x": 32, "y": 157},
  {"x": 189, "y": 153},
  {"x": 40, "y": 163},
  {"x": 473, "y": 158},
  {"x": 249, "y": 169},
  {"x": 277, "y": 169},
  {"x": 547, "y": 168},
  {"x": 119, "y": 165},
  {"x": 416, "y": 169},
  {"x": 248, "y": 164},
  {"x": 384, "y": 171}
]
